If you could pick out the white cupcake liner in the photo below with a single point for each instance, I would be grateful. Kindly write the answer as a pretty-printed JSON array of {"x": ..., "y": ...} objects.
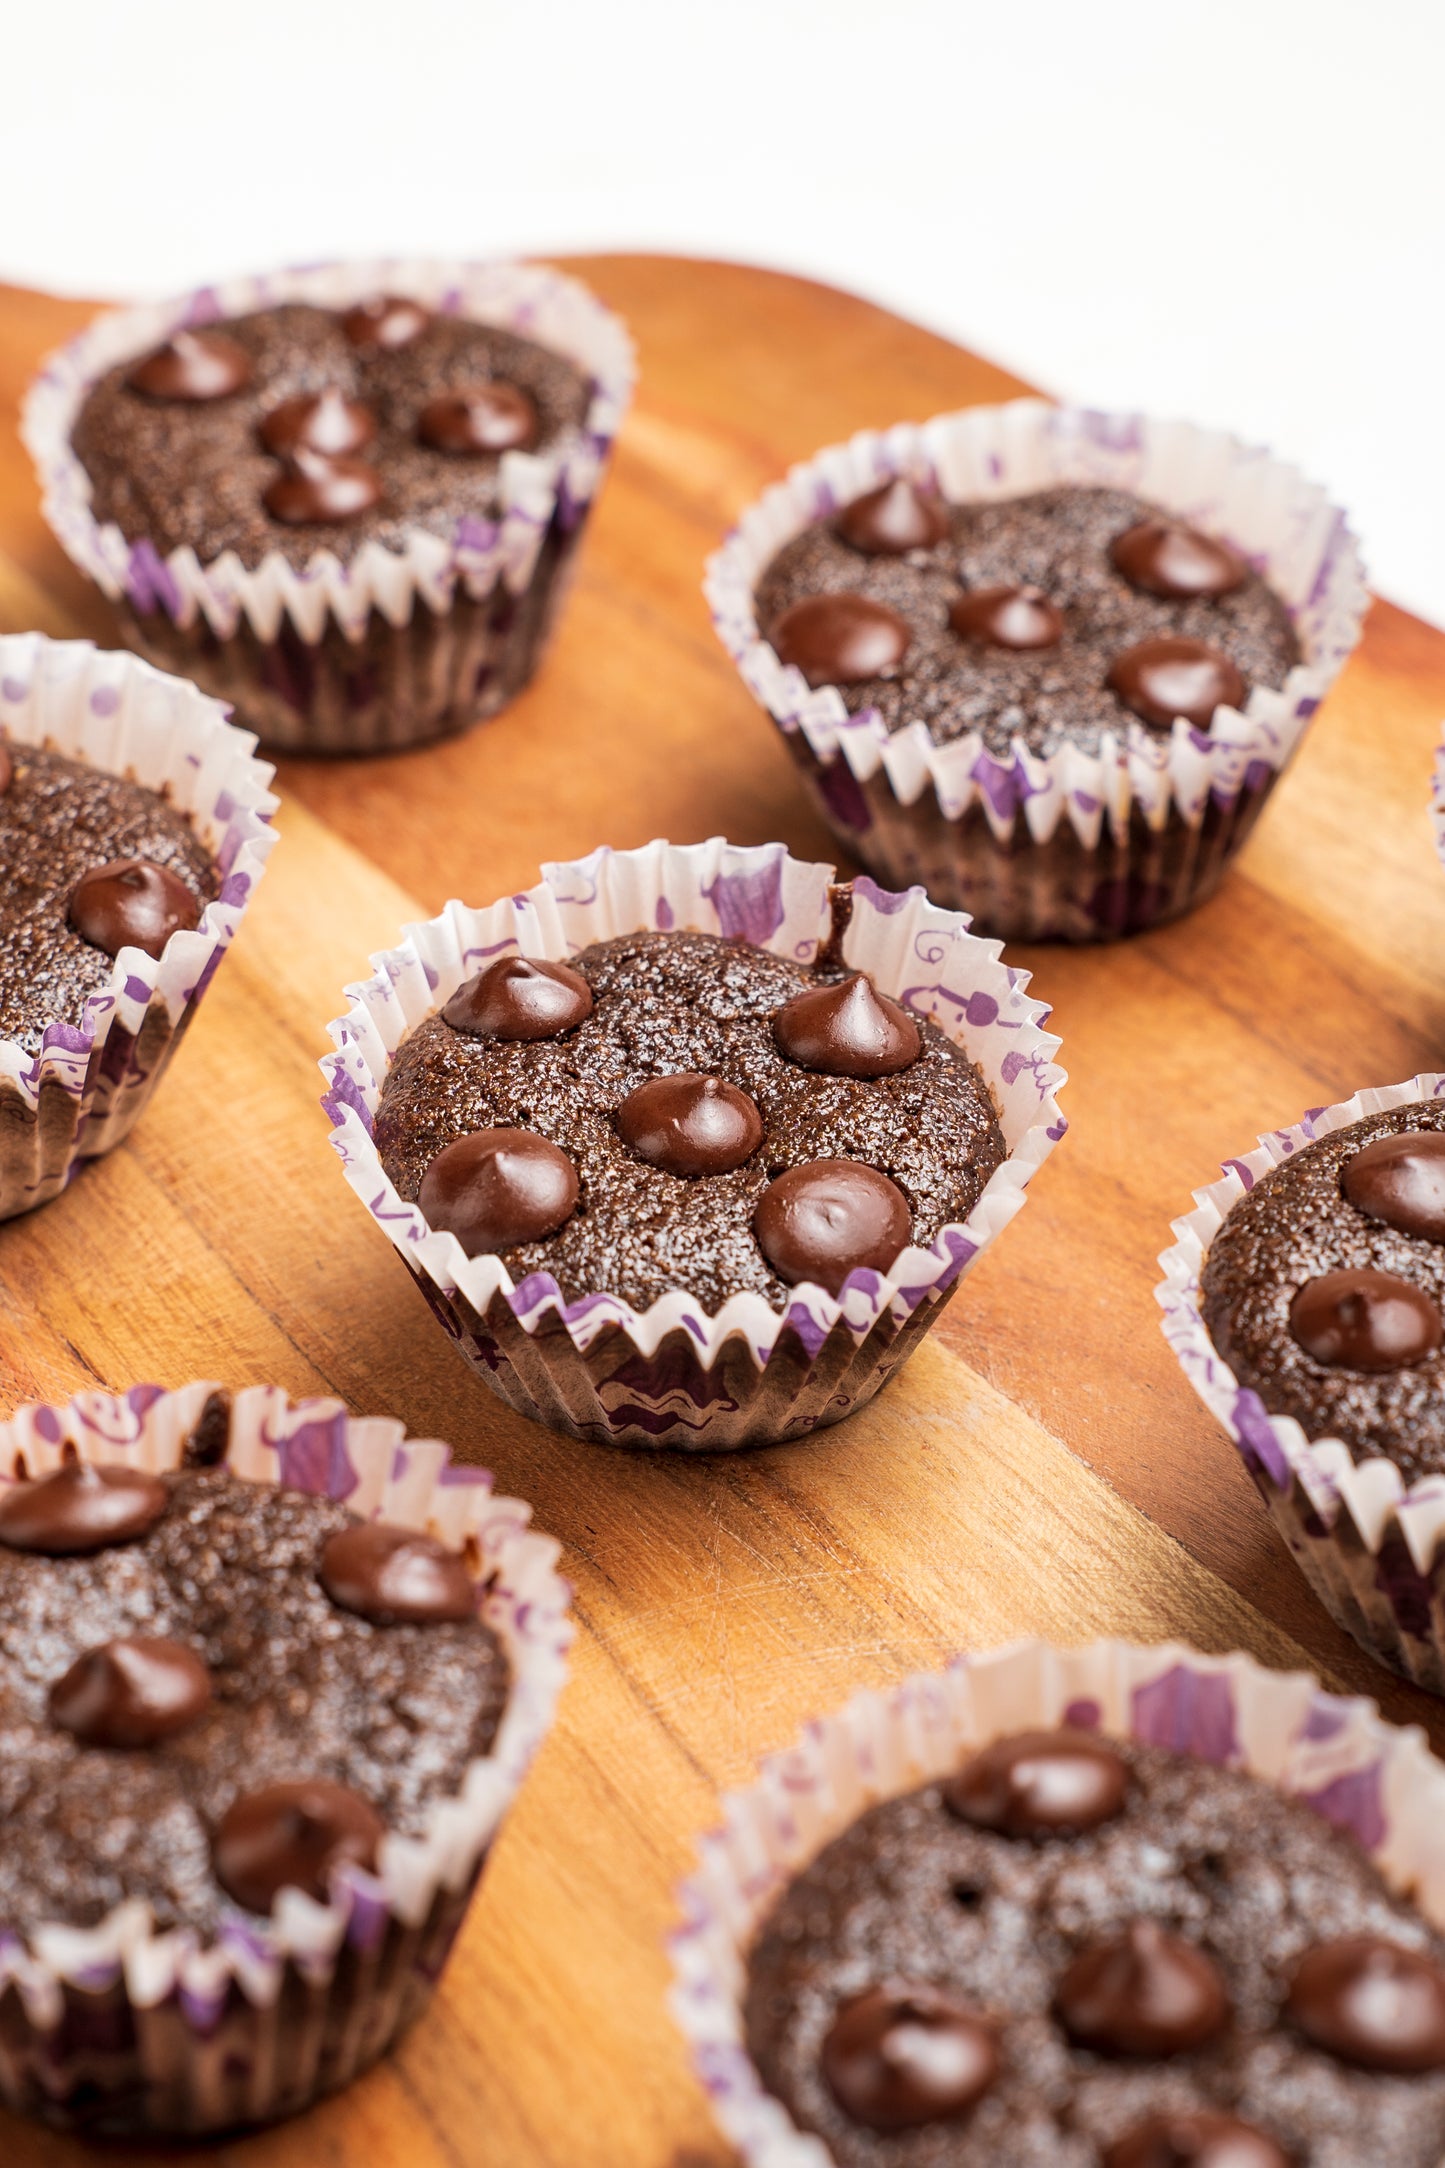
[
  {"x": 302, "y": 2001},
  {"x": 1371, "y": 1546},
  {"x": 675, "y": 1373},
  {"x": 905, "y": 787},
  {"x": 81, "y": 1093},
  {"x": 538, "y": 303},
  {"x": 1361, "y": 1774}
]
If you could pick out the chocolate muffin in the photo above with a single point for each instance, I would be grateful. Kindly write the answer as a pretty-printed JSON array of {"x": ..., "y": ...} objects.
[
  {"x": 1079, "y": 1953},
  {"x": 213, "y": 1689},
  {"x": 1323, "y": 1287},
  {"x": 1051, "y": 617},
  {"x": 300, "y": 429},
  {"x": 90, "y": 863},
  {"x": 678, "y": 1110}
]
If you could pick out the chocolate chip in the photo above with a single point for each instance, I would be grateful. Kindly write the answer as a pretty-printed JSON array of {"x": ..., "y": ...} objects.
[
  {"x": 830, "y": 1217},
  {"x": 396, "y": 1576},
  {"x": 1196, "y": 2138},
  {"x": 1169, "y": 677},
  {"x": 385, "y": 321},
  {"x": 901, "y": 2055},
  {"x": 847, "y": 1030},
  {"x": 1360, "y": 1319},
  {"x": 520, "y": 997},
  {"x": 840, "y": 639},
  {"x": 1040, "y": 1784},
  {"x": 131, "y": 1693},
  {"x": 1371, "y": 2003},
  {"x": 494, "y": 417},
  {"x": 195, "y": 366},
  {"x": 292, "y": 1836},
  {"x": 690, "y": 1124},
  {"x": 7, "y": 770},
  {"x": 314, "y": 488},
  {"x": 1400, "y": 1180},
  {"x": 1014, "y": 617},
  {"x": 1164, "y": 557},
  {"x": 497, "y": 1188},
  {"x": 132, "y": 903},
  {"x": 892, "y": 520},
  {"x": 328, "y": 423},
  {"x": 81, "y": 1508},
  {"x": 1144, "y": 1992}
]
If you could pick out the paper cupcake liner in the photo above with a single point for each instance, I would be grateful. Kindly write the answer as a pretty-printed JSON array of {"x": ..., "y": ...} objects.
[
  {"x": 396, "y": 645},
  {"x": 1361, "y": 1774},
  {"x": 121, "y": 2028},
  {"x": 1371, "y": 1546},
  {"x": 676, "y": 1374},
  {"x": 79, "y": 1096},
  {"x": 1437, "y": 801},
  {"x": 1075, "y": 845}
]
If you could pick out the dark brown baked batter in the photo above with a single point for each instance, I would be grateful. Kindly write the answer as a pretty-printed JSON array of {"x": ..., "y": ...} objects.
[
  {"x": 1057, "y": 541},
  {"x": 302, "y": 1689},
  {"x": 1293, "y": 1226},
  {"x": 664, "y": 1004},
  {"x": 1213, "y": 1855},
  {"x": 58, "y": 819},
  {"x": 195, "y": 474}
]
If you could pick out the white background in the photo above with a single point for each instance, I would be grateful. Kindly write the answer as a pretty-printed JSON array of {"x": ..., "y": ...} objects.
[{"x": 1233, "y": 211}]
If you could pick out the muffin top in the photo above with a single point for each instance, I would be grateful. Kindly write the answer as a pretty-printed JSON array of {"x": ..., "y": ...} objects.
[
  {"x": 302, "y": 429},
  {"x": 1323, "y": 1289},
  {"x": 89, "y": 863},
  {"x": 213, "y": 1688},
  {"x": 1079, "y": 1953},
  {"x": 677, "y": 1110},
  {"x": 1050, "y": 618}
]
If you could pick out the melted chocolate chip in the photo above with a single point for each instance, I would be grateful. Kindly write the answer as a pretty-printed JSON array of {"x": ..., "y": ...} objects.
[
  {"x": 892, "y": 520},
  {"x": 520, "y": 997},
  {"x": 386, "y": 321},
  {"x": 7, "y": 770},
  {"x": 840, "y": 639},
  {"x": 194, "y": 366},
  {"x": 292, "y": 1836},
  {"x": 328, "y": 423},
  {"x": 1162, "y": 557},
  {"x": 1360, "y": 1319},
  {"x": 690, "y": 1124},
  {"x": 1040, "y": 1784},
  {"x": 132, "y": 903},
  {"x": 1014, "y": 617},
  {"x": 1144, "y": 1992},
  {"x": 313, "y": 488},
  {"x": 828, "y": 1218},
  {"x": 495, "y": 417},
  {"x": 847, "y": 1030},
  {"x": 1164, "y": 678},
  {"x": 1196, "y": 2138},
  {"x": 131, "y": 1693},
  {"x": 80, "y": 1508},
  {"x": 901, "y": 2055},
  {"x": 1400, "y": 1179},
  {"x": 1371, "y": 2003},
  {"x": 396, "y": 1576},
  {"x": 497, "y": 1188}
]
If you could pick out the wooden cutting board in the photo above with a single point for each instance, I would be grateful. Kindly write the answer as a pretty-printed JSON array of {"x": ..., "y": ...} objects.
[{"x": 1041, "y": 1466}]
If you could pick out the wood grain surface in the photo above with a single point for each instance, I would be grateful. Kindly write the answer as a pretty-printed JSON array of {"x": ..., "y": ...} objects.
[{"x": 1041, "y": 1466}]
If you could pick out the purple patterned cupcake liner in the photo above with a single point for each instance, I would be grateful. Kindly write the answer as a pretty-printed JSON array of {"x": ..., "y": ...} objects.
[
  {"x": 80, "y": 1094},
  {"x": 1437, "y": 800},
  {"x": 1363, "y": 1775},
  {"x": 119, "y": 2028},
  {"x": 1073, "y": 846},
  {"x": 398, "y": 645},
  {"x": 676, "y": 1374},
  {"x": 1371, "y": 1547}
]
